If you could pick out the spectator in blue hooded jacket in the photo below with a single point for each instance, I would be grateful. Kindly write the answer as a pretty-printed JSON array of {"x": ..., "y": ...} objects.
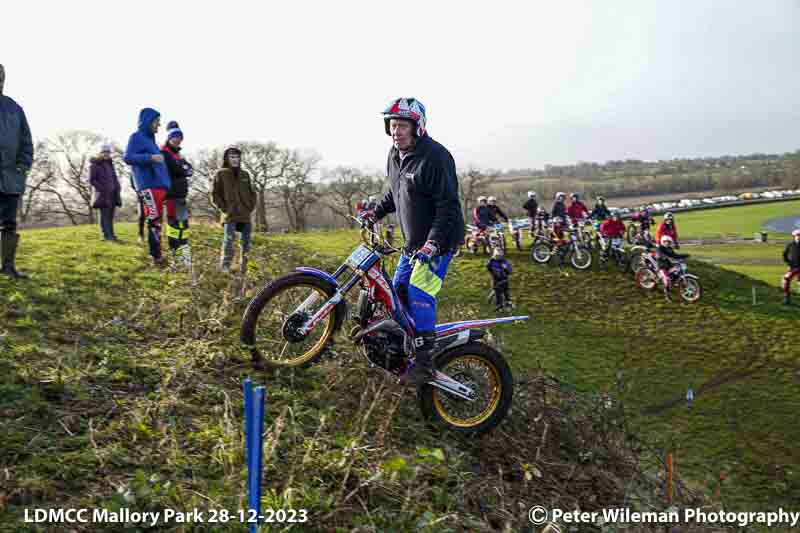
[{"x": 150, "y": 175}]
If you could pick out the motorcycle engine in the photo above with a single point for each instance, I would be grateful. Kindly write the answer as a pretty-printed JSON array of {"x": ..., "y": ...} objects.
[{"x": 385, "y": 350}]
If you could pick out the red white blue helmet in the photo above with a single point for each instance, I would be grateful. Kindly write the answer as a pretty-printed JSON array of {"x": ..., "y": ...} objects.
[{"x": 406, "y": 108}]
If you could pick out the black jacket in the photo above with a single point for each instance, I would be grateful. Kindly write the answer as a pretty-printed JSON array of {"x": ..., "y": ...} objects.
[
  {"x": 559, "y": 210},
  {"x": 179, "y": 171},
  {"x": 667, "y": 256},
  {"x": 792, "y": 254},
  {"x": 494, "y": 212},
  {"x": 423, "y": 191},
  {"x": 531, "y": 206},
  {"x": 600, "y": 212}
]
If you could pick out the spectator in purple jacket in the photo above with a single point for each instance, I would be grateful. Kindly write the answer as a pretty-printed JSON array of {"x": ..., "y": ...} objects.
[{"x": 107, "y": 190}]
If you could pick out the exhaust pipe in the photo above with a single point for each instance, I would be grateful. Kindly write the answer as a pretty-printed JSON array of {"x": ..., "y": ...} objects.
[{"x": 384, "y": 325}]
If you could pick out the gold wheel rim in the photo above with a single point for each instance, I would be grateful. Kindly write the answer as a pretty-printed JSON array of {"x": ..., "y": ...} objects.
[
  {"x": 495, "y": 387},
  {"x": 315, "y": 349}
]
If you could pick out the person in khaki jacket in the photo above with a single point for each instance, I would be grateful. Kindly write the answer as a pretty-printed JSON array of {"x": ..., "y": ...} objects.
[{"x": 233, "y": 194}]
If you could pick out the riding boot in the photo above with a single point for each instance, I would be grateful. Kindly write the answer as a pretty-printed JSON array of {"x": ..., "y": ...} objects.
[
  {"x": 10, "y": 241},
  {"x": 667, "y": 295},
  {"x": 787, "y": 299},
  {"x": 422, "y": 371}
]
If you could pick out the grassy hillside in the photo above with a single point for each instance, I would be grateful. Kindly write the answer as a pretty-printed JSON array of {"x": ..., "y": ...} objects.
[
  {"x": 596, "y": 329},
  {"x": 120, "y": 386}
]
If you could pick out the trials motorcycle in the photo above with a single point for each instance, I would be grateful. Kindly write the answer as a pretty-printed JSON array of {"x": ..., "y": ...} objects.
[{"x": 293, "y": 319}]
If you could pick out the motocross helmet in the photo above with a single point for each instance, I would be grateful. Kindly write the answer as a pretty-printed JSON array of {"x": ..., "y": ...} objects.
[
  {"x": 560, "y": 196},
  {"x": 668, "y": 216},
  {"x": 481, "y": 199},
  {"x": 492, "y": 200},
  {"x": 408, "y": 109},
  {"x": 666, "y": 240},
  {"x": 531, "y": 194}
]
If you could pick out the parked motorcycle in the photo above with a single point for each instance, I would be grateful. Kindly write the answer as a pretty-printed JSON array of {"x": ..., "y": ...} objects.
[
  {"x": 294, "y": 318},
  {"x": 578, "y": 255}
]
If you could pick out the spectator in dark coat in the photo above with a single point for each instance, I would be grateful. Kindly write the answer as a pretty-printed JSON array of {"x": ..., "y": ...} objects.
[
  {"x": 107, "y": 190},
  {"x": 791, "y": 255},
  {"x": 180, "y": 170},
  {"x": 16, "y": 159}
]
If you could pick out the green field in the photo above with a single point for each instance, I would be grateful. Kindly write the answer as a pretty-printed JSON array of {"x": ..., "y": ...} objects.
[
  {"x": 740, "y": 220},
  {"x": 120, "y": 386}
]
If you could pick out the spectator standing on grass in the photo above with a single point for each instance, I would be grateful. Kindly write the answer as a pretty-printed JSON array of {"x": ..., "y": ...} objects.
[
  {"x": 791, "y": 255},
  {"x": 16, "y": 158},
  {"x": 600, "y": 211},
  {"x": 233, "y": 194},
  {"x": 107, "y": 190},
  {"x": 559, "y": 207},
  {"x": 180, "y": 170},
  {"x": 150, "y": 176}
]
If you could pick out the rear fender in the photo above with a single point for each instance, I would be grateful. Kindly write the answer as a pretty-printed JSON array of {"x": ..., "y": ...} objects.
[
  {"x": 342, "y": 312},
  {"x": 445, "y": 330}
]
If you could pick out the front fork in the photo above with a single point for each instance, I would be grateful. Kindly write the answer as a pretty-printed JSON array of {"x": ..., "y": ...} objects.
[{"x": 328, "y": 306}]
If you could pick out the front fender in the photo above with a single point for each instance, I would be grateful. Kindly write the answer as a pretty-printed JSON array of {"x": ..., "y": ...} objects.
[
  {"x": 342, "y": 309},
  {"x": 319, "y": 274}
]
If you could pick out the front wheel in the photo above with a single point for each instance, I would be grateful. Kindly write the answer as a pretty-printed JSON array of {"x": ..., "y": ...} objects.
[
  {"x": 487, "y": 373},
  {"x": 630, "y": 234},
  {"x": 581, "y": 257},
  {"x": 690, "y": 289},
  {"x": 646, "y": 279},
  {"x": 541, "y": 252},
  {"x": 272, "y": 321}
]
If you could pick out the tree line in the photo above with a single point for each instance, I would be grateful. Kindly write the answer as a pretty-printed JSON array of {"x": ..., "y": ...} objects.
[{"x": 295, "y": 193}]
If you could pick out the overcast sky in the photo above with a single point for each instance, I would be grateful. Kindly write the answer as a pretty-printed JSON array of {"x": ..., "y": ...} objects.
[{"x": 506, "y": 84}]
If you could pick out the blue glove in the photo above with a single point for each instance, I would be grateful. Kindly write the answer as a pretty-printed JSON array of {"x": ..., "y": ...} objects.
[{"x": 426, "y": 253}]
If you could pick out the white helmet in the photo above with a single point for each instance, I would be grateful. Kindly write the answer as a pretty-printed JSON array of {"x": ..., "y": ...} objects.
[
  {"x": 531, "y": 194},
  {"x": 666, "y": 239},
  {"x": 481, "y": 199},
  {"x": 796, "y": 233},
  {"x": 668, "y": 216},
  {"x": 373, "y": 199},
  {"x": 492, "y": 200},
  {"x": 560, "y": 196}
]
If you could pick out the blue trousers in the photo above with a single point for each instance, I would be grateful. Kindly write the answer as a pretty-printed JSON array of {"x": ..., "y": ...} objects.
[{"x": 421, "y": 283}]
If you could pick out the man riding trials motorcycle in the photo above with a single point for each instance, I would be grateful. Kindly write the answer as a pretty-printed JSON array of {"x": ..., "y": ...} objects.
[
  {"x": 559, "y": 208},
  {"x": 495, "y": 211},
  {"x": 577, "y": 210},
  {"x": 480, "y": 214},
  {"x": 668, "y": 227},
  {"x": 613, "y": 228},
  {"x": 600, "y": 211},
  {"x": 668, "y": 261},
  {"x": 423, "y": 192}
]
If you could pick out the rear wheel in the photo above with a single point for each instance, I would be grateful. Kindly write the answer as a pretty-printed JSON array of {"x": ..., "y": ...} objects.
[
  {"x": 486, "y": 372},
  {"x": 541, "y": 252},
  {"x": 690, "y": 289},
  {"x": 271, "y": 323},
  {"x": 646, "y": 279}
]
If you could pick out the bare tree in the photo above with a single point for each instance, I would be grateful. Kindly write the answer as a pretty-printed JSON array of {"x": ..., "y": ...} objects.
[
  {"x": 295, "y": 189},
  {"x": 347, "y": 186},
  {"x": 41, "y": 178},
  {"x": 205, "y": 165},
  {"x": 69, "y": 156},
  {"x": 267, "y": 165},
  {"x": 471, "y": 184}
]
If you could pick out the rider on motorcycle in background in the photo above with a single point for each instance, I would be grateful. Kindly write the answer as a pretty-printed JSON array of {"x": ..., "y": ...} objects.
[
  {"x": 495, "y": 211},
  {"x": 556, "y": 233},
  {"x": 667, "y": 262},
  {"x": 480, "y": 214},
  {"x": 531, "y": 206},
  {"x": 644, "y": 219},
  {"x": 668, "y": 227},
  {"x": 576, "y": 209},
  {"x": 600, "y": 211},
  {"x": 559, "y": 208},
  {"x": 423, "y": 192},
  {"x": 613, "y": 228}
]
